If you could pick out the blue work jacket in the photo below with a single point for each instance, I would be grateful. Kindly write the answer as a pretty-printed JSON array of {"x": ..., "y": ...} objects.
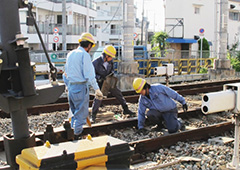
[
  {"x": 100, "y": 71},
  {"x": 79, "y": 68},
  {"x": 161, "y": 99}
]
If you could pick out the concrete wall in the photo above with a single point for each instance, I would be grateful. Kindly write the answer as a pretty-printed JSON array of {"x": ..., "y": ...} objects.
[
  {"x": 193, "y": 22},
  {"x": 208, "y": 18}
]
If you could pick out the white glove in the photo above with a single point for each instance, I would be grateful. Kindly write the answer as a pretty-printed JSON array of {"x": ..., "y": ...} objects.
[{"x": 98, "y": 94}]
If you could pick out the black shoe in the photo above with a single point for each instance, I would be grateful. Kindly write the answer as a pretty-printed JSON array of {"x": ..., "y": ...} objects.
[
  {"x": 126, "y": 111},
  {"x": 129, "y": 112},
  {"x": 182, "y": 125},
  {"x": 77, "y": 137}
]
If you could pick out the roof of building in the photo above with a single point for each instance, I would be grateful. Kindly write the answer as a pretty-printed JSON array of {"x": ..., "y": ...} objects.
[
  {"x": 235, "y": 0},
  {"x": 181, "y": 40}
]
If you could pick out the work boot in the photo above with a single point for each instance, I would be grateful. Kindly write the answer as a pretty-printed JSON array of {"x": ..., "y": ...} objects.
[
  {"x": 182, "y": 125},
  {"x": 127, "y": 111},
  {"x": 93, "y": 120}
]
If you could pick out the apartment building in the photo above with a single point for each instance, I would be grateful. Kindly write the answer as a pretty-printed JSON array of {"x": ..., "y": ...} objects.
[
  {"x": 110, "y": 21},
  {"x": 80, "y": 16},
  {"x": 187, "y": 19}
]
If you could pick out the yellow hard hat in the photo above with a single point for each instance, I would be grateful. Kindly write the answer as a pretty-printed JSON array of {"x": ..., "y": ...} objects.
[
  {"x": 87, "y": 37},
  {"x": 110, "y": 50},
  {"x": 138, "y": 84}
]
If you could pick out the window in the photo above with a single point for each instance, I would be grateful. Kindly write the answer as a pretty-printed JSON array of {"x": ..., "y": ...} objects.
[
  {"x": 59, "y": 19},
  {"x": 98, "y": 7},
  {"x": 115, "y": 29},
  {"x": 234, "y": 16},
  {"x": 196, "y": 10}
]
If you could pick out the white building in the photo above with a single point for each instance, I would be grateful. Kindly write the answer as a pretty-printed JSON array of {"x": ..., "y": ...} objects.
[
  {"x": 185, "y": 19},
  {"x": 234, "y": 23},
  {"x": 110, "y": 21},
  {"x": 80, "y": 16}
]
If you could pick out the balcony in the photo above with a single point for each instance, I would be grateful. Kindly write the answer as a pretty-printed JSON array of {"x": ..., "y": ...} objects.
[
  {"x": 91, "y": 4},
  {"x": 45, "y": 28}
]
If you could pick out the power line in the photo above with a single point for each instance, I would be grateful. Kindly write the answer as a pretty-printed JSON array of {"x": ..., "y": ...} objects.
[{"x": 112, "y": 17}]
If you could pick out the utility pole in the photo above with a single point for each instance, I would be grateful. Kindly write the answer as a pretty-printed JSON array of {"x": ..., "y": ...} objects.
[
  {"x": 64, "y": 25},
  {"x": 222, "y": 65},
  {"x": 128, "y": 29},
  {"x": 223, "y": 29},
  {"x": 142, "y": 23},
  {"x": 127, "y": 68}
]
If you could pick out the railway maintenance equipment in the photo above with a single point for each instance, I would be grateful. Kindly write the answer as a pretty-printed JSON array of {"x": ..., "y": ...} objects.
[
  {"x": 166, "y": 69},
  {"x": 17, "y": 88},
  {"x": 226, "y": 100},
  {"x": 104, "y": 152}
]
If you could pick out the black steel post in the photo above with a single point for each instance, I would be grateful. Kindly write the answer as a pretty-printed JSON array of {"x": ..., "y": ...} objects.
[
  {"x": 17, "y": 89},
  {"x": 9, "y": 28},
  {"x": 20, "y": 124}
]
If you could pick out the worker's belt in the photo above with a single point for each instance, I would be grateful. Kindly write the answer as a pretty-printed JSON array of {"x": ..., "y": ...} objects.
[{"x": 74, "y": 83}]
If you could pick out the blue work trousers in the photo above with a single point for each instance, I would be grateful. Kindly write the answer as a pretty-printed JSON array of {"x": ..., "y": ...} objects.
[
  {"x": 116, "y": 93},
  {"x": 169, "y": 117},
  {"x": 78, "y": 97}
]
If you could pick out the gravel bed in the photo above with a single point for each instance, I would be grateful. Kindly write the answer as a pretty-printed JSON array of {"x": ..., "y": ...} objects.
[{"x": 213, "y": 156}]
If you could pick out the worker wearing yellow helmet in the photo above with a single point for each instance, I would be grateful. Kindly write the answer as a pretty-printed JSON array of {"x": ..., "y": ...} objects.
[
  {"x": 79, "y": 73},
  {"x": 104, "y": 70},
  {"x": 159, "y": 99}
]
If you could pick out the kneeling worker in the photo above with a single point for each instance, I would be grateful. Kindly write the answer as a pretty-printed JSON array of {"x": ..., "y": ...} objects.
[
  {"x": 104, "y": 69},
  {"x": 158, "y": 99}
]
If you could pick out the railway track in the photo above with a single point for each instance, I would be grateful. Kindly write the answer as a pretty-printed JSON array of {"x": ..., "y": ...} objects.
[
  {"x": 142, "y": 145},
  {"x": 130, "y": 96}
]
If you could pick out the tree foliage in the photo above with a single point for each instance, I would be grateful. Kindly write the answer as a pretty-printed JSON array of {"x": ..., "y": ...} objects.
[
  {"x": 159, "y": 42},
  {"x": 234, "y": 57},
  {"x": 205, "y": 47}
]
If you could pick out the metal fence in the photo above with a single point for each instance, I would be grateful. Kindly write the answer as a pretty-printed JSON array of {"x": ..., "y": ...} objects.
[{"x": 145, "y": 66}]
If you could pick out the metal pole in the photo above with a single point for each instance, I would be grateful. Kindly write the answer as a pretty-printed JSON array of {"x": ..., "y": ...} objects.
[
  {"x": 20, "y": 124},
  {"x": 64, "y": 46},
  {"x": 235, "y": 159},
  {"x": 47, "y": 34},
  {"x": 123, "y": 30},
  {"x": 201, "y": 52},
  {"x": 142, "y": 23}
]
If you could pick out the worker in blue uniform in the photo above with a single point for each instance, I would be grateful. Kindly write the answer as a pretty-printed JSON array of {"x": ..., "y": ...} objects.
[
  {"x": 104, "y": 67},
  {"x": 158, "y": 99},
  {"x": 79, "y": 74}
]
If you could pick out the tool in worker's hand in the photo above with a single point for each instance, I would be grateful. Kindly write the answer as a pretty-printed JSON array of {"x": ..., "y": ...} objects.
[
  {"x": 91, "y": 94},
  {"x": 89, "y": 122}
]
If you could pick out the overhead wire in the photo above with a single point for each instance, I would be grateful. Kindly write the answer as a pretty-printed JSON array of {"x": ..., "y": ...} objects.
[{"x": 112, "y": 17}]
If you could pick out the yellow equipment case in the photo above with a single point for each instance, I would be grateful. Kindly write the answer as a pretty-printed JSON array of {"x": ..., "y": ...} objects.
[{"x": 103, "y": 152}]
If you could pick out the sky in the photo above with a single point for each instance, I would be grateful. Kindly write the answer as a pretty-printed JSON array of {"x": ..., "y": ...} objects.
[{"x": 154, "y": 11}]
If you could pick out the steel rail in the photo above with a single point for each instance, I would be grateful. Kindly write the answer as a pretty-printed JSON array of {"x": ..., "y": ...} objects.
[
  {"x": 108, "y": 101},
  {"x": 146, "y": 145}
]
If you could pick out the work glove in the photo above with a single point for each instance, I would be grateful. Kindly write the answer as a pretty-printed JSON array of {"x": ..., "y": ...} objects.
[
  {"x": 98, "y": 94},
  {"x": 142, "y": 131},
  {"x": 185, "y": 107}
]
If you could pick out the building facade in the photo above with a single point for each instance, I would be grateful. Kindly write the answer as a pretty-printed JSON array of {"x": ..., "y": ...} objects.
[
  {"x": 185, "y": 20},
  {"x": 109, "y": 20},
  {"x": 80, "y": 16}
]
